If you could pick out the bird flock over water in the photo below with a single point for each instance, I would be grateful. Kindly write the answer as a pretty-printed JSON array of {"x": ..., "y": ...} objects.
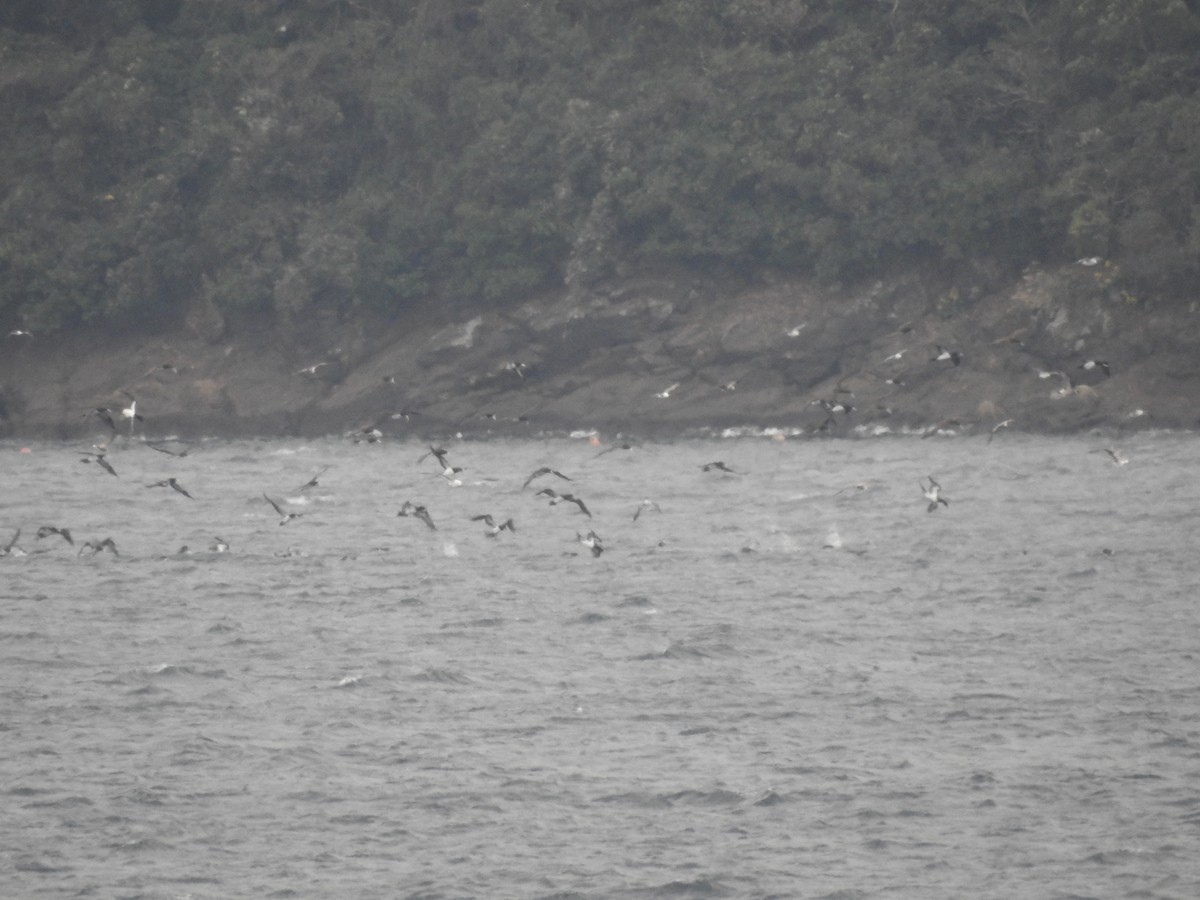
[
  {"x": 123, "y": 419},
  {"x": 290, "y": 511}
]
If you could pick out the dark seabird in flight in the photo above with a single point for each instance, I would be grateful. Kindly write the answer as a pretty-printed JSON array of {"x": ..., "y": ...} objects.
[
  {"x": 719, "y": 466},
  {"x": 11, "y": 548},
  {"x": 933, "y": 494},
  {"x": 592, "y": 541},
  {"x": 314, "y": 481},
  {"x": 439, "y": 452},
  {"x": 64, "y": 533},
  {"x": 287, "y": 516},
  {"x": 493, "y": 528},
  {"x": 997, "y": 427},
  {"x": 614, "y": 447},
  {"x": 646, "y": 505},
  {"x": 944, "y": 355},
  {"x": 99, "y": 546},
  {"x": 1117, "y": 458},
  {"x": 98, "y": 459},
  {"x": 418, "y": 512},
  {"x": 104, "y": 414},
  {"x": 556, "y": 498},
  {"x": 167, "y": 450},
  {"x": 174, "y": 485},
  {"x": 1088, "y": 364},
  {"x": 544, "y": 470}
]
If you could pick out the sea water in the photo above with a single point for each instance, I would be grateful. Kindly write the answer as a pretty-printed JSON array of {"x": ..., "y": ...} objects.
[{"x": 790, "y": 681}]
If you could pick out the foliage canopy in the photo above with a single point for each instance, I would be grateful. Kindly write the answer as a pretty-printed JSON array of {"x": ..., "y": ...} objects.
[{"x": 340, "y": 154}]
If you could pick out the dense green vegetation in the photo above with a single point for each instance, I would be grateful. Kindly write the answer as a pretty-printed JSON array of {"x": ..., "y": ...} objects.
[{"x": 274, "y": 155}]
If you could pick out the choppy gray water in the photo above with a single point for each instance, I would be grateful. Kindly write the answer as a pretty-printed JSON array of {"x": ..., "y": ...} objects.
[{"x": 999, "y": 699}]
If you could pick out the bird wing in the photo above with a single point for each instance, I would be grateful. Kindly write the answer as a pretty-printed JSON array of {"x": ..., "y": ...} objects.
[{"x": 274, "y": 505}]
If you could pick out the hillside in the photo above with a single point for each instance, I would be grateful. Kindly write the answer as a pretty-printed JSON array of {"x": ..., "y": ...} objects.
[{"x": 624, "y": 194}]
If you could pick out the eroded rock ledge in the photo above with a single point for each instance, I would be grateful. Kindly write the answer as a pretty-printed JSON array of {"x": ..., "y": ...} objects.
[{"x": 656, "y": 356}]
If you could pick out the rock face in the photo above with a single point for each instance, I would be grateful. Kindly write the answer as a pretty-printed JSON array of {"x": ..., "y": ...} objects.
[{"x": 653, "y": 355}]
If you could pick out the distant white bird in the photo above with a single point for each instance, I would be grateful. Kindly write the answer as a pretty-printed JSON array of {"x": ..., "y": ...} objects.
[
  {"x": 130, "y": 412},
  {"x": 1088, "y": 261},
  {"x": 663, "y": 395},
  {"x": 944, "y": 355}
]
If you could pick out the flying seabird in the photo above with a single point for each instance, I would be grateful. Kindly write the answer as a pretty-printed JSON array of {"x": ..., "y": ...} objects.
[
  {"x": 313, "y": 482},
  {"x": 1088, "y": 261},
  {"x": 944, "y": 355},
  {"x": 174, "y": 485},
  {"x": 493, "y": 528},
  {"x": 167, "y": 450},
  {"x": 517, "y": 368},
  {"x": 11, "y": 548},
  {"x": 130, "y": 412},
  {"x": 997, "y": 427},
  {"x": 64, "y": 533},
  {"x": 287, "y": 516},
  {"x": 933, "y": 494},
  {"x": 556, "y": 498},
  {"x": 312, "y": 370},
  {"x": 104, "y": 414},
  {"x": 219, "y": 545},
  {"x": 1117, "y": 458},
  {"x": 99, "y": 459},
  {"x": 543, "y": 470},
  {"x": 614, "y": 447},
  {"x": 646, "y": 505},
  {"x": 439, "y": 452},
  {"x": 592, "y": 541},
  {"x": 1088, "y": 364},
  {"x": 895, "y": 382},
  {"x": 420, "y": 512},
  {"x": 833, "y": 406},
  {"x": 663, "y": 395},
  {"x": 20, "y": 332},
  {"x": 718, "y": 465},
  {"x": 99, "y": 546}
]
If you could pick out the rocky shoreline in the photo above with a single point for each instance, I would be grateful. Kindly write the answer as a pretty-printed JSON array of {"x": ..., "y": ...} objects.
[{"x": 657, "y": 355}]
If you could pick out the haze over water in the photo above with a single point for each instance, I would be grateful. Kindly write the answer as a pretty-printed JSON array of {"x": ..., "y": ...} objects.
[{"x": 789, "y": 682}]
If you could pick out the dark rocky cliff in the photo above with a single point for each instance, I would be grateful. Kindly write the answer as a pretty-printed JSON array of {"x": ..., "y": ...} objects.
[{"x": 655, "y": 355}]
